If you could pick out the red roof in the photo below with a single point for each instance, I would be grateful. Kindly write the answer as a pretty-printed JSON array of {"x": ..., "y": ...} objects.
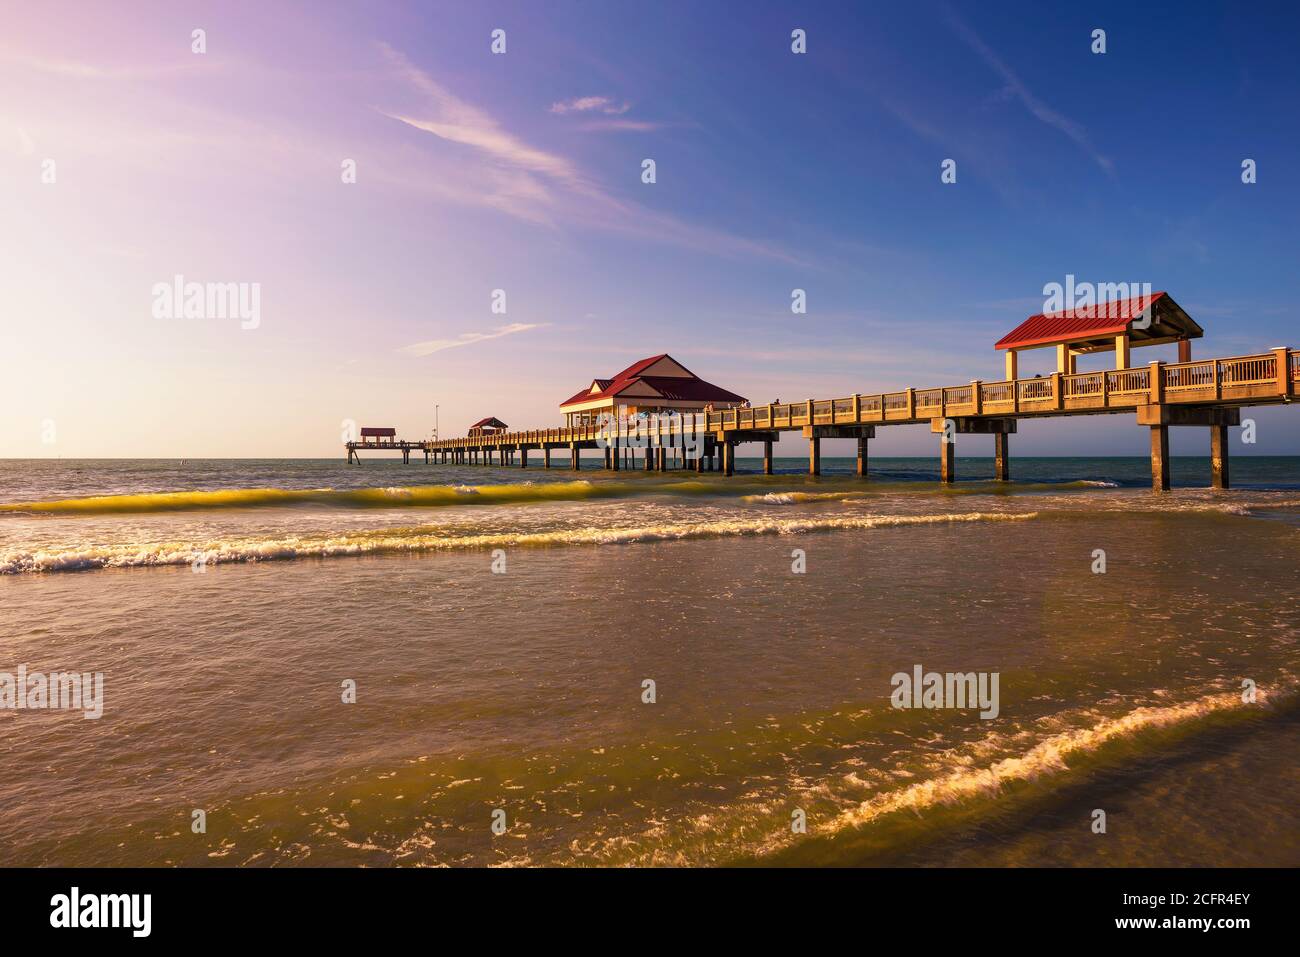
[
  {"x": 692, "y": 389},
  {"x": 1102, "y": 319},
  {"x": 491, "y": 421},
  {"x": 375, "y": 430}
]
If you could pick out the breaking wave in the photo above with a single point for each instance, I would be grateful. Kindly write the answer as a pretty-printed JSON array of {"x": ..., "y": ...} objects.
[
  {"x": 419, "y": 495},
  {"x": 417, "y": 540}
]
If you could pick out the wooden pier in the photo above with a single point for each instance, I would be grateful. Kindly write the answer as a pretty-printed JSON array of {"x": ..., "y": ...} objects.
[
  {"x": 1209, "y": 393},
  {"x": 390, "y": 445}
]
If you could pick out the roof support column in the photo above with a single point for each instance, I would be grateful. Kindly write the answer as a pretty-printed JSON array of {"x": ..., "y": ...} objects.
[
  {"x": 1012, "y": 358},
  {"x": 1121, "y": 351},
  {"x": 1184, "y": 350},
  {"x": 1062, "y": 358}
]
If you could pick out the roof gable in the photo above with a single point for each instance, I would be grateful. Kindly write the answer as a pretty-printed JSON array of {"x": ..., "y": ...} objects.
[{"x": 659, "y": 376}]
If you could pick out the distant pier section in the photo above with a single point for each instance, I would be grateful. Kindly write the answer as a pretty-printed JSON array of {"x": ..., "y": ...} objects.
[
  {"x": 380, "y": 438},
  {"x": 656, "y": 415}
]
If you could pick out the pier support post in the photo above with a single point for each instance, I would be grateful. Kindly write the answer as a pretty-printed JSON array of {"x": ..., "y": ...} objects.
[
  {"x": 406, "y": 456},
  {"x": 576, "y": 456},
  {"x": 947, "y": 458},
  {"x": 728, "y": 457},
  {"x": 546, "y": 456},
  {"x": 523, "y": 456},
  {"x": 767, "y": 456},
  {"x": 815, "y": 454},
  {"x": 1001, "y": 457},
  {"x": 1219, "y": 456},
  {"x": 862, "y": 455},
  {"x": 1160, "y": 458},
  {"x": 614, "y": 453}
]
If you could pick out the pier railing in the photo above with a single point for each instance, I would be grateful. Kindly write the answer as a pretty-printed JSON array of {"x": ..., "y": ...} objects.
[{"x": 1241, "y": 380}]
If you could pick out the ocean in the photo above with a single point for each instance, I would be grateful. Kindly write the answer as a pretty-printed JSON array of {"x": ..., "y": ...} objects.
[{"x": 306, "y": 663}]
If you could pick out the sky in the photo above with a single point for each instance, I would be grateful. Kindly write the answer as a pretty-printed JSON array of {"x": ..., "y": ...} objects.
[{"x": 128, "y": 159}]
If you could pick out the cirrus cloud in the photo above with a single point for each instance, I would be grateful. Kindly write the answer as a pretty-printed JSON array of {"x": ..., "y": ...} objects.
[
  {"x": 431, "y": 346},
  {"x": 589, "y": 104}
]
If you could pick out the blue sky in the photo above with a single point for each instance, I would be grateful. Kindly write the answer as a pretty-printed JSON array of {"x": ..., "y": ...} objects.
[{"x": 521, "y": 171}]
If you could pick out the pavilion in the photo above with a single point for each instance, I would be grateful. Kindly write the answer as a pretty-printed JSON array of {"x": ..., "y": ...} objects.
[
  {"x": 1147, "y": 320},
  {"x": 657, "y": 384},
  {"x": 490, "y": 425}
]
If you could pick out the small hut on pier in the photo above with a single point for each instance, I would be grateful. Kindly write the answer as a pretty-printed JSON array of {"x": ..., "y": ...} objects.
[{"x": 488, "y": 426}]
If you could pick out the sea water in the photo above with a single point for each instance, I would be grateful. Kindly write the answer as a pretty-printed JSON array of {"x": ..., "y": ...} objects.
[{"x": 431, "y": 665}]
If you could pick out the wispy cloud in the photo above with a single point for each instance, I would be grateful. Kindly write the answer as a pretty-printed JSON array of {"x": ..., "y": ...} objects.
[
  {"x": 1015, "y": 87},
  {"x": 589, "y": 104},
  {"x": 541, "y": 186},
  {"x": 459, "y": 122},
  {"x": 468, "y": 339}
]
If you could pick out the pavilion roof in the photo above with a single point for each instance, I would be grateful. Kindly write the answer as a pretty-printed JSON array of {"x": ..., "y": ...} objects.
[{"x": 1168, "y": 323}]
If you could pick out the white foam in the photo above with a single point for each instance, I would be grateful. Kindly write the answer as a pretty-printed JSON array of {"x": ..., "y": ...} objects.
[{"x": 135, "y": 555}]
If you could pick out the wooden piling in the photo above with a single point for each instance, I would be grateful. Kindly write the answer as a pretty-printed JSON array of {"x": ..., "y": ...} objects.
[
  {"x": 1160, "y": 458},
  {"x": 1219, "y": 456}
]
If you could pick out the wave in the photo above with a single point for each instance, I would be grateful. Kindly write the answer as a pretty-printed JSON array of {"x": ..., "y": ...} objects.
[
  {"x": 417, "y": 540},
  {"x": 393, "y": 497},
  {"x": 750, "y": 489},
  {"x": 801, "y": 498},
  {"x": 1053, "y": 755}
]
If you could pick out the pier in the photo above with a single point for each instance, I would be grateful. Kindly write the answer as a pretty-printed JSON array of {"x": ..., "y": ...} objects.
[{"x": 1206, "y": 393}]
